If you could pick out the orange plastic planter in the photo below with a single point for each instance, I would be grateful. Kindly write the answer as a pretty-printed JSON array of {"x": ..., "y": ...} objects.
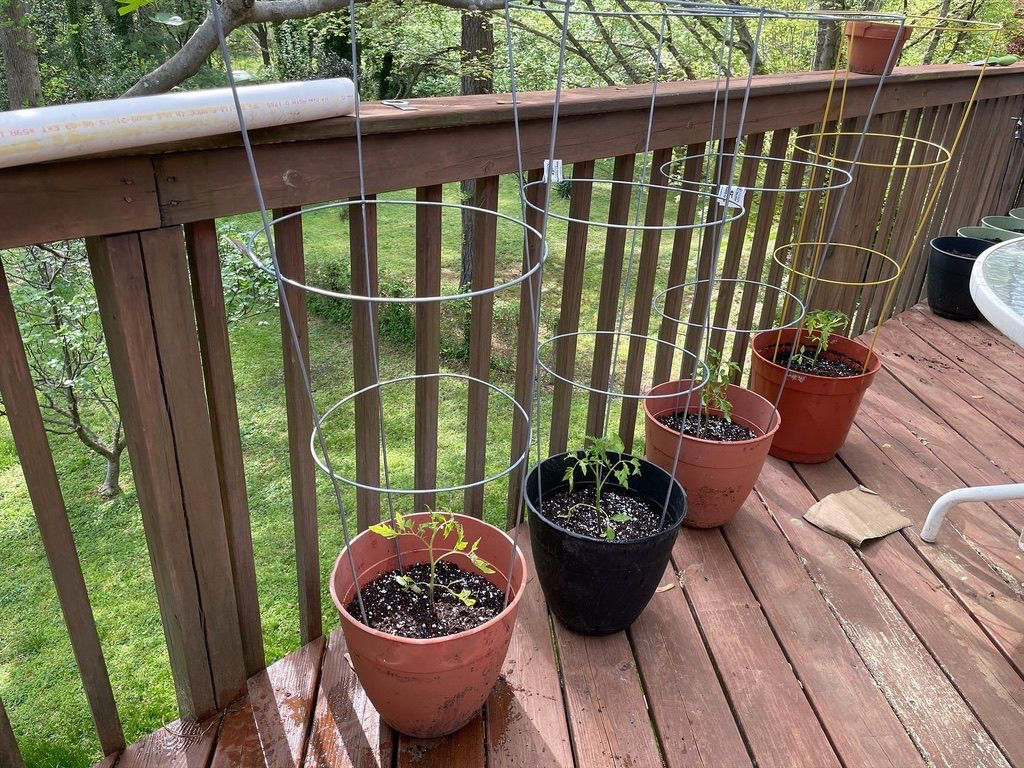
[
  {"x": 427, "y": 688},
  {"x": 871, "y": 43},
  {"x": 817, "y": 411},
  {"x": 717, "y": 475}
]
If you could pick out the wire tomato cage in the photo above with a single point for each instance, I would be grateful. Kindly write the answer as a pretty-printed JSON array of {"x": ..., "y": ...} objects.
[{"x": 714, "y": 186}]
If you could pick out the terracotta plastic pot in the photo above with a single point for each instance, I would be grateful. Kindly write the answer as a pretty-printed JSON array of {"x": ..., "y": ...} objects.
[
  {"x": 594, "y": 586},
  {"x": 427, "y": 688},
  {"x": 817, "y": 411},
  {"x": 871, "y": 45},
  {"x": 717, "y": 475}
]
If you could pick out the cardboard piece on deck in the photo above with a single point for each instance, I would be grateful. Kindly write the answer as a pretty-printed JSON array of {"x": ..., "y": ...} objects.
[{"x": 856, "y": 515}]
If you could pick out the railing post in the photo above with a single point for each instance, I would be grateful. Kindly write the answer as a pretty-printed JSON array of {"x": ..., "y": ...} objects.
[
  {"x": 146, "y": 309},
  {"x": 211, "y": 319}
]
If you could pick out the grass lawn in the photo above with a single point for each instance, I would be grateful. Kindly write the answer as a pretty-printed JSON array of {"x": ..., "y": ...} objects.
[{"x": 38, "y": 679}]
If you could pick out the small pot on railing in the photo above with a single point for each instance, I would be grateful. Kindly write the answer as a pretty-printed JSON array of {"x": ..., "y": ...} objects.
[
  {"x": 871, "y": 50},
  {"x": 716, "y": 475},
  {"x": 594, "y": 586},
  {"x": 817, "y": 411},
  {"x": 427, "y": 688},
  {"x": 949, "y": 276}
]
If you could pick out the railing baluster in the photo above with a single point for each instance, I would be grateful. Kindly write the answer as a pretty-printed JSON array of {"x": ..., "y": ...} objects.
[
  {"x": 10, "y": 755},
  {"x": 363, "y": 256},
  {"x": 215, "y": 349},
  {"x": 485, "y": 231},
  {"x": 291, "y": 258},
  {"x": 428, "y": 340},
  {"x": 26, "y": 424},
  {"x": 766, "y": 203},
  {"x": 611, "y": 277},
  {"x": 572, "y": 298},
  {"x": 735, "y": 247},
  {"x": 647, "y": 270},
  {"x": 524, "y": 345},
  {"x": 682, "y": 239}
]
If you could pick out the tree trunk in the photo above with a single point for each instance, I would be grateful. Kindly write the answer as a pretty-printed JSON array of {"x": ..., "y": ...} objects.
[
  {"x": 111, "y": 486},
  {"x": 262, "y": 34},
  {"x": 21, "y": 56},
  {"x": 826, "y": 49},
  {"x": 477, "y": 52}
]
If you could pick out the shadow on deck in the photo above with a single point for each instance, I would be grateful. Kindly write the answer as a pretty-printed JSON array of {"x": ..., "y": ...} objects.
[{"x": 771, "y": 643}]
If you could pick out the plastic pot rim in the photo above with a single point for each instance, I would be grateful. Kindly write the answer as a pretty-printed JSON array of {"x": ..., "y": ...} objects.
[
  {"x": 762, "y": 433},
  {"x": 958, "y": 237},
  {"x": 535, "y": 510},
  {"x": 873, "y": 366},
  {"x": 425, "y": 641}
]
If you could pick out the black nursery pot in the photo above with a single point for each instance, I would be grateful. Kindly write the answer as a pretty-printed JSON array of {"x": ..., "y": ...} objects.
[
  {"x": 949, "y": 276},
  {"x": 596, "y": 587}
]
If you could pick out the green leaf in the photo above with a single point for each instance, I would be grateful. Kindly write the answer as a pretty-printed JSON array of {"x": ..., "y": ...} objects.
[
  {"x": 609, "y": 533},
  {"x": 621, "y": 517},
  {"x": 464, "y": 596},
  {"x": 383, "y": 529},
  {"x": 130, "y": 6}
]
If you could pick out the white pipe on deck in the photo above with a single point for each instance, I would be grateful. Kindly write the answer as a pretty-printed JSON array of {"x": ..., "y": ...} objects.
[
  {"x": 73, "y": 130},
  {"x": 988, "y": 493}
]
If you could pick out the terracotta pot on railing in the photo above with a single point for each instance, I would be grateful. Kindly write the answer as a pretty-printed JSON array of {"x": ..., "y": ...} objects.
[
  {"x": 433, "y": 687},
  {"x": 817, "y": 411},
  {"x": 717, "y": 475},
  {"x": 871, "y": 46}
]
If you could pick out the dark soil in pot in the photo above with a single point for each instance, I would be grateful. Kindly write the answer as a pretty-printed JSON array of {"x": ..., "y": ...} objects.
[
  {"x": 592, "y": 585},
  {"x": 398, "y": 610},
  {"x": 627, "y": 516},
  {"x": 830, "y": 364},
  {"x": 707, "y": 427}
]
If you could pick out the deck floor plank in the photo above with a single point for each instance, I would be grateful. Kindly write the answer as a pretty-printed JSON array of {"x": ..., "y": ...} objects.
[
  {"x": 346, "y": 730},
  {"x": 942, "y": 725},
  {"x": 974, "y": 556},
  {"x": 687, "y": 702},
  {"x": 972, "y": 662},
  {"x": 267, "y": 728},
  {"x": 181, "y": 744},
  {"x": 861, "y": 726},
  {"x": 464, "y": 747},
  {"x": 774, "y": 714},
  {"x": 607, "y": 710},
  {"x": 525, "y": 713}
]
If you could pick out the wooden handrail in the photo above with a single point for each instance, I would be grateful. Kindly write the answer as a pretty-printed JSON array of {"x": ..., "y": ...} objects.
[{"x": 446, "y": 139}]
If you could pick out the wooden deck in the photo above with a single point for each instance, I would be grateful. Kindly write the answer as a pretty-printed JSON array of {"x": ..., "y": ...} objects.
[{"x": 771, "y": 643}]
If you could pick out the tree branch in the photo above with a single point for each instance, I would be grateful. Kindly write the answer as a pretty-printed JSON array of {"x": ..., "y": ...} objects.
[{"x": 236, "y": 13}]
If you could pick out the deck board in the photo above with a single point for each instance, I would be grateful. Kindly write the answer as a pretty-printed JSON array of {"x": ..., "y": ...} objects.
[{"x": 771, "y": 643}]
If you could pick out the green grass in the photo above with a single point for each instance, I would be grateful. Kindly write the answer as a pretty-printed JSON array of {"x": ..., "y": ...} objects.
[{"x": 38, "y": 679}]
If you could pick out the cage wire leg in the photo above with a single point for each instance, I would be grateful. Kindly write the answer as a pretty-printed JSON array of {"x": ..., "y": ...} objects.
[{"x": 282, "y": 294}]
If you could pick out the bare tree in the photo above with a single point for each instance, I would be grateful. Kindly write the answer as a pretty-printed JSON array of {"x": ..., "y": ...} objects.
[
  {"x": 66, "y": 353},
  {"x": 476, "y": 59},
  {"x": 21, "y": 54}
]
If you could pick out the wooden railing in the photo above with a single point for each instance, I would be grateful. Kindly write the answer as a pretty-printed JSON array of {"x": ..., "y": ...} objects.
[{"x": 149, "y": 220}]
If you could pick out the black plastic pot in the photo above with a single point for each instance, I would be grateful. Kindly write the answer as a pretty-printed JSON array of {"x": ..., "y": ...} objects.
[
  {"x": 949, "y": 276},
  {"x": 593, "y": 586}
]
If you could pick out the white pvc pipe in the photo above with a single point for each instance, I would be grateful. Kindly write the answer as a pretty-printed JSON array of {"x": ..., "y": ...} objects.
[
  {"x": 72, "y": 130},
  {"x": 937, "y": 514}
]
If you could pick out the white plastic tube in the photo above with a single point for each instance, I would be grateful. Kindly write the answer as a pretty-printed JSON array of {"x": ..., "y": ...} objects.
[
  {"x": 72, "y": 130},
  {"x": 989, "y": 493}
]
